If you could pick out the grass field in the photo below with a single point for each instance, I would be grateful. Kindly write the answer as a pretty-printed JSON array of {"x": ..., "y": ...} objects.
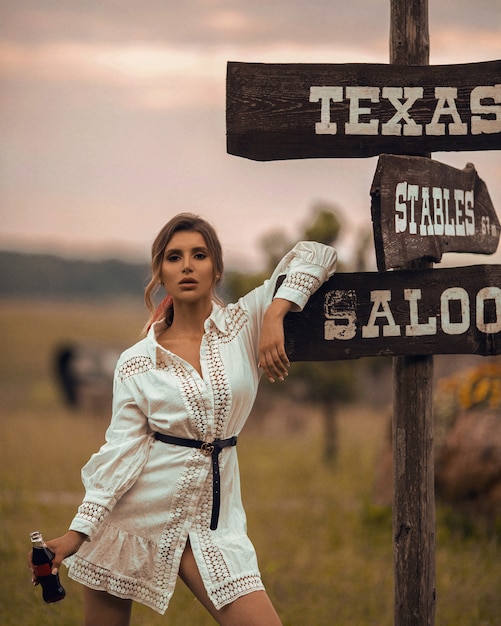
[{"x": 325, "y": 549}]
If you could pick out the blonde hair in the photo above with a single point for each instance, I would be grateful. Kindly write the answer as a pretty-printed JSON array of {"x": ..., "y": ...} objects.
[{"x": 180, "y": 222}]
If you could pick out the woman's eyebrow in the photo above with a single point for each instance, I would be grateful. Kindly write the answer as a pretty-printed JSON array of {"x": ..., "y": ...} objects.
[{"x": 193, "y": 250}]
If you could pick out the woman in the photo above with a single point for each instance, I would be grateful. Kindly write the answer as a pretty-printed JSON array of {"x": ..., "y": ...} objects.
[{"x": 163, "y": 493}]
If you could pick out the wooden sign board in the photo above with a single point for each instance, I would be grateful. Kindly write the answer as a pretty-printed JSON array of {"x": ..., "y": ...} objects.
[
  {"x": 298, "y": 111},
  {"x": 407, "y": 312},
  {"x": 422, "y": 208}
]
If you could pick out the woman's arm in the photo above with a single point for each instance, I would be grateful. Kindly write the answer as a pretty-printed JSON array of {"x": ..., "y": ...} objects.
[
  {"x": 272, "y": 356},
  {"x": 303, "y": 270}
]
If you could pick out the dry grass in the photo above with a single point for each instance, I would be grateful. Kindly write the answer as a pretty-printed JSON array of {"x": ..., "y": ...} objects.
[{"x": 325, "y": 549}]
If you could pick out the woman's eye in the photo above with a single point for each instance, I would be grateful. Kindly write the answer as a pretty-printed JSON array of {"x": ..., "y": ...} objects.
[
  {"x": 172, "y": 258},
  {"x": 200, "y": 255}
]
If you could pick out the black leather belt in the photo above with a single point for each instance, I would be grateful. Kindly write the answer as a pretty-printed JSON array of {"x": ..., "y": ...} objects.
[{"x": 208, "y": 449}]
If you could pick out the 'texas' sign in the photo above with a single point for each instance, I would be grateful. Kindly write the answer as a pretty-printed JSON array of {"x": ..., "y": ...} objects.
[
  {"x": 422, "y": 208},
  {"x": 293, "y": 111},
  {"x": 409, "y": 312}
]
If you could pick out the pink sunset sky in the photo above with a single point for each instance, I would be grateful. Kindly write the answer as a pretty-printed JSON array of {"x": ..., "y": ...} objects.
[{"x": 113, "y": 117}]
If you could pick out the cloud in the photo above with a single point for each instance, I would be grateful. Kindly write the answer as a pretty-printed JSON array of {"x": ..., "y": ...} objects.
[
  {"x": 231, "y": 23},
  {"x": 154, "y": 74}
]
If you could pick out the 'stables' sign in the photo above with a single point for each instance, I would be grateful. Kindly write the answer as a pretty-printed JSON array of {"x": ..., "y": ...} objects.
[{"x": 422, "y": 208}]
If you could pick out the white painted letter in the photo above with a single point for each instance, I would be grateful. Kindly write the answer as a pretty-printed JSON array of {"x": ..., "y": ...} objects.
[
  {"x": 381, "y": 298},
  {"x": 459, "y": 202},
  {"x": 415, "y": 329},
  {"x": 325, "y": 95},
  {"x": 340, "y": 309},
  {"x": 413, "y": 196},
  {"x": 438, "y": 211},
  {"x": 469, "y": 213},
  {"x": 488, "y": 293},
  {"x": 450, "y": 229},
  {"x": 480, "y": 125},
  {"x": 425, "y": 213},
  {"x": 354, "y": 126},
  {"x": 394, "y": 95},
  {"x": 401, "y": 207},
  {"x": 446, "y": 105},
  {"x": 455, "y": 328}
]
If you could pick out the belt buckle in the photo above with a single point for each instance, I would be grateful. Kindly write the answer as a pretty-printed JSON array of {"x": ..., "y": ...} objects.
[{"x": 207, "y": 449}]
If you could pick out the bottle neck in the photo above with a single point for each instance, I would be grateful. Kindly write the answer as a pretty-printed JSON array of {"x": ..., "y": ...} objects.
[{"x": 37, "y": 539}]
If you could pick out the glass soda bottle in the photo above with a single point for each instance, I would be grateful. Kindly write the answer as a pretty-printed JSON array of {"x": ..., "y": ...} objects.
[{"x": 52, "y": 590}]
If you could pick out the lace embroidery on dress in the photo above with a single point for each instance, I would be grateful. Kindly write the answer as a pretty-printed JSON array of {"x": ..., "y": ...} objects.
[
  {"x": 92, "y": 512},
  {"x": 224, "y": 589},
  {"x": 186, "y": 486},
  {"x": 192, "y": 397},
  {"x": 235, "y": 321},
  {"x": 97, "y": 577},
  {"x": 220, "y": 385},
  {"x": 300, "y": 281},
  {"x": 136, "y": 365},
  {"x": 233, "y": 589},
  {"x": 216, "y": 564}
]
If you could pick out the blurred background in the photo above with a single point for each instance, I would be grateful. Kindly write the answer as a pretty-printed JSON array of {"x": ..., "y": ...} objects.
[{"x": 112, "y": 118}]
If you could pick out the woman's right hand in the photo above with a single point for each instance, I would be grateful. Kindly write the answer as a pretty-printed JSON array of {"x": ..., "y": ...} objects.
[{"x": 62, "y": 547}]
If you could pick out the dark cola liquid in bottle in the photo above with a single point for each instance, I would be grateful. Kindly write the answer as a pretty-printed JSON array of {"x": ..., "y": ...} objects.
[{"x": 52, "y": 590}]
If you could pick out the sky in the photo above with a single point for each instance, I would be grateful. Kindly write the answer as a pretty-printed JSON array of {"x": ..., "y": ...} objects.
[{"x": 112, "y": 118}]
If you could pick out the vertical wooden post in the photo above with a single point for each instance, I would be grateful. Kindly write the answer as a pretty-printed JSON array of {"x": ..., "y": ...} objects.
[{"x": 414, "y": 493}]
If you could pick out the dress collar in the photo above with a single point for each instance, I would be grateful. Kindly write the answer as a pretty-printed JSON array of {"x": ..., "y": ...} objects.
[{"x": 216, "y": 319}]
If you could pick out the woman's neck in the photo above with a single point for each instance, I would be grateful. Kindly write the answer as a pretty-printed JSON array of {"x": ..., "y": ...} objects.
[{"x": 190, "y": 318}]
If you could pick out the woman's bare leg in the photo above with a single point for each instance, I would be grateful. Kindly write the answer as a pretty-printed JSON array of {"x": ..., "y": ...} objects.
[
  {"x": 253, "y": 609},
  {"x": 103, "y": 609}
]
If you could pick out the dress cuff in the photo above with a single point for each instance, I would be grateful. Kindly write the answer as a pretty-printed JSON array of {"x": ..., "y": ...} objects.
[
  {"x": 89, "y": 517},
  {"x": 297, "y": 288}
]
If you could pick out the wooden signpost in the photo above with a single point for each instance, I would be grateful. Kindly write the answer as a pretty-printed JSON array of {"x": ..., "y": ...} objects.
[
  {"x": 298, "y": 111},
  {"x": 420, "y": 210},
  {"x": 407, "y": 312}
]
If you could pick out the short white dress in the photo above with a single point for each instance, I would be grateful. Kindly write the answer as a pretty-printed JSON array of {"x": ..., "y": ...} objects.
[{"x": 145, "y": 498}]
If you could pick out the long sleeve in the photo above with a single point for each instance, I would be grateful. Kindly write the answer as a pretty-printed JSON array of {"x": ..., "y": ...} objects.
[
  {"x": 111, "y": 471},
  {"x": 306, "y": 267}
]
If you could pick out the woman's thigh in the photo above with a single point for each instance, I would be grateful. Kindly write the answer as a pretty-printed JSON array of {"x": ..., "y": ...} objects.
[
  {"x": 253, "y": 609},
  {"x": 103, "y": 609}
]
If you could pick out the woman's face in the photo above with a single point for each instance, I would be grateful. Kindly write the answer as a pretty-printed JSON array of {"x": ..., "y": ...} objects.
[{"x": 187, "y": 271}]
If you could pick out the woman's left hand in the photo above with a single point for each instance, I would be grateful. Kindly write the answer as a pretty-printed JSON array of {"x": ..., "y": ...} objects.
[{"x": 272, "y": 356}]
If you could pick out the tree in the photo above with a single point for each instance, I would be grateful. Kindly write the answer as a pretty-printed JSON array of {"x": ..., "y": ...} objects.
[
  {"x": 327, "y": 383},
  {"x": 331, "y": 382},
  {"x": 325, "y": 227}
]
